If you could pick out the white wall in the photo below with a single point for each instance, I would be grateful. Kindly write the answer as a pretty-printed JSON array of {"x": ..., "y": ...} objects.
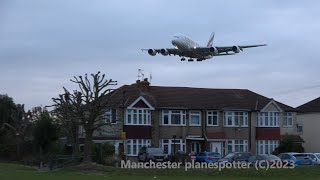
[{"x": 311, "y": 131}]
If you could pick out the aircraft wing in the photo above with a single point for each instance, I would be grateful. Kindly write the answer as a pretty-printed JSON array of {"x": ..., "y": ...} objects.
[
  {"x": 165, "y": 51},
  {"x": 236, "y": 48}
]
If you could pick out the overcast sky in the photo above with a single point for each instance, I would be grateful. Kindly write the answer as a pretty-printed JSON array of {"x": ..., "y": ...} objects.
[{"x": 45, "y": 43}]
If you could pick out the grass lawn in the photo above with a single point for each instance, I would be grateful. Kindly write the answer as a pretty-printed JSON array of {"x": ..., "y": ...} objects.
[{"x": 17, "y": 172}]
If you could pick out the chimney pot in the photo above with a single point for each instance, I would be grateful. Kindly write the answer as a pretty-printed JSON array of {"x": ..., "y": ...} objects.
[{"x": 143, "y": 85}]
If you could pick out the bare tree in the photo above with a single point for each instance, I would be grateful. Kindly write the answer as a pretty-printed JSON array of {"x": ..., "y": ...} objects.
[
  {"x": 86, "y": 106},
  {"x": 66, "y": 109}
]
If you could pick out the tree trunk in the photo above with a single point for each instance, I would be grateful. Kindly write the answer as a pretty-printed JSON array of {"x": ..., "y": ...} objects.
[
  {"x": 75, "y": 147},
  {"x": 18, "y": 149},
  {"x": 20, "y": 143},
  {"x": 88, "y": 148},
  {"x": 41, "y": 162},
  {"x": 75, "y": 142}
]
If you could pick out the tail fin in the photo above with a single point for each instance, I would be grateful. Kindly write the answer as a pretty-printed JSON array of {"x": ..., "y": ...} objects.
[{"x": 210, "y": 42}]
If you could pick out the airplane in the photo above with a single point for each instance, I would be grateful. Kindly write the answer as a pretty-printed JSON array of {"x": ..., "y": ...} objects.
[{"x": 185, "y": 47}]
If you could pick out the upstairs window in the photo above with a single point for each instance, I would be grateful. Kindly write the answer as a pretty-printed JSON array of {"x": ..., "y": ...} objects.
[
  {"x": 268, "y": 119},
  {"x": 287, "y": 119},
  {"x": 212, "y": 118},
  {"x": 173, "y": 117},
  {"x": 300, "y": 128},
  {"x": 138, "y": 117},
  {"x": 195, "y": 118},
  {"x": 110, "y": 116},
  {"x": 235, "y": 119}
]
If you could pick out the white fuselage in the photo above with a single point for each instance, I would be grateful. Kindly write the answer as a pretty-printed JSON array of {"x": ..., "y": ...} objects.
[{"x": 184, "y": 43}]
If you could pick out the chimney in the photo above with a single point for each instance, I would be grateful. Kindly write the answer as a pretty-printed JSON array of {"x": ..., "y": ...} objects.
[{"x": 143, "y": 85}]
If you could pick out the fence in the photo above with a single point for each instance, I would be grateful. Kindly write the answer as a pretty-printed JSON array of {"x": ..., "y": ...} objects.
[{"x": 62, "y": 161}]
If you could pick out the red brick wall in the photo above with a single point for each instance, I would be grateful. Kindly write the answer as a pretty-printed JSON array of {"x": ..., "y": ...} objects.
[
  {"x": 137, "y": 132},
  {"x": 268, "y": 133}
]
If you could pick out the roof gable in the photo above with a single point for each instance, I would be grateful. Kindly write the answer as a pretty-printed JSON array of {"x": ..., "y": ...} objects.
[
  {"x": 141, "y": 102},
  {"x": 272, "y": 106}
]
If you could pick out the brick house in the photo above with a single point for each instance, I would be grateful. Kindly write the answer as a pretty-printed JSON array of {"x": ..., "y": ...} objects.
[{"x": 197, "y": 119}]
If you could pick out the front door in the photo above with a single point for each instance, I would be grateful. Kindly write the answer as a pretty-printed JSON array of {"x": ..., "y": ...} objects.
[
  {"x": 216, "y": 147},
  {"x": 195, "y": 147}
]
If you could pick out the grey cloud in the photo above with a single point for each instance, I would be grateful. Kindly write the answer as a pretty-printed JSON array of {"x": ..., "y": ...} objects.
[{"x": 44, "y": 43}]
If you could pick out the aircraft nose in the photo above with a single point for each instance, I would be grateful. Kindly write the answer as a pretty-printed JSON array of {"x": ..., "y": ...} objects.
[{"x": 174, "y": 42}]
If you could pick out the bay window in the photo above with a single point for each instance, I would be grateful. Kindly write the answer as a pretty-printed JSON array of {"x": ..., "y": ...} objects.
[
  {"x": 134, "y": 145},
  {"x": 138, "y": 117},
  {"x": 237, "y": 145},
  {"x": 268, "y": 119},
  {"x": 266, "y": 146}
]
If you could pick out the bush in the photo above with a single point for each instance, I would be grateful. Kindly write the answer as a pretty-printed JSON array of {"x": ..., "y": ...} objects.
[
  {"x": 103, "y": 154},
  {"x": 56, "y": 148},
  {"x": 287, "y": 144}
]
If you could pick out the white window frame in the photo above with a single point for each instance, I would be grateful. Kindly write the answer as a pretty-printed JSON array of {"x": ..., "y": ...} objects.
[
  {"x": 287, "y": 118},
  {"x": 107, "y": 116},
  {"x": 266, "y": 146},
  {"x": 268, "y": 119},
  {"x": 212, "y": 114},
  {"x": 298, "y": 126},
  {"x": 235, "y": 117},
  {"x": 195, "y": 113},
  {"x": 170, "y": 142},
  {"x": 144, "y": 113},
  {"x": 169, "y": 113},
  {"x": 236, "y": 144},
  {"x": 134, "y": 145}
]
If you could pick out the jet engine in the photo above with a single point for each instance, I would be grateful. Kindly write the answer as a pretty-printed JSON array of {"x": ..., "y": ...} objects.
[
  {"x": 164, "y": 52},
  {"x": 235, "y": 49},
  {"x": 152, "y": 52},
  {"x": 213, "y": 50}
]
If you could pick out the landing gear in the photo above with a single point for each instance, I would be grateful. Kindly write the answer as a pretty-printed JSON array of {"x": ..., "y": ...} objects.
[
  {"x": 199, "y": 59},
  {"x": 190, "y": 60},
  {"x": 183, "y": 59}
]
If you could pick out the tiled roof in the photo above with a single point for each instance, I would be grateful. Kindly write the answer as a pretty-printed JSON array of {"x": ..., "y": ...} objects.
[
  {"x": 193, "y": 98},
  {"x": 312, "y": 106}
]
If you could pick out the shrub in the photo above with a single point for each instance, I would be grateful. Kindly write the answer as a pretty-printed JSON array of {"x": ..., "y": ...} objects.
[
  {"x": 287, "y": 144},
  {"x": 103, "y": 153}
]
